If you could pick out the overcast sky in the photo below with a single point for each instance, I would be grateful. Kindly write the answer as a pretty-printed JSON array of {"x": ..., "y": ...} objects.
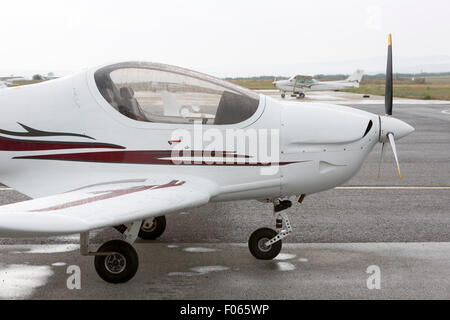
[{"x": 225, "y": 38}]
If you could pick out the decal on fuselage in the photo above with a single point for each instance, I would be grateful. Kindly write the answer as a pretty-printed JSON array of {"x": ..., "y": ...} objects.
[
  {"x": 12, "y": 144},
  {"x": 162, "y": 157},
  {"x": 31, "y": 132},
  {"x": 108, "y": 194}
]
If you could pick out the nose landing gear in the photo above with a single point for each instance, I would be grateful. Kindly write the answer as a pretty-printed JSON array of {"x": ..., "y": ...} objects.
[{"x": 265, "y": 243}]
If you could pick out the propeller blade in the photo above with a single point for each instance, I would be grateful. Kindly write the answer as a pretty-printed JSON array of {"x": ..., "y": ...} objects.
[
  {"x": 394, "y": 149},
  {"x": 381, "y": 160},
  {"x": 389, "y": 81}
]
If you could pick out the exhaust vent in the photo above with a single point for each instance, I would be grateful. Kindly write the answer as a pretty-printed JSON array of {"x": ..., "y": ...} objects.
[{"x": 369, "y": 126}]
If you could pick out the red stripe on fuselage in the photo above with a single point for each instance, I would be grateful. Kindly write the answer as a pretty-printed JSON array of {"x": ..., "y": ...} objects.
[{"x": 152, "y": 157}]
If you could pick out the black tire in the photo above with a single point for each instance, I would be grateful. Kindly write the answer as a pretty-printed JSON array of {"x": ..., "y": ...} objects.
[
  {"x": 119, "y": 267},
  {"x": 256, "y": 241},
  {"x": 152, "y": 231},
  {"x": 283, "y": 95}
]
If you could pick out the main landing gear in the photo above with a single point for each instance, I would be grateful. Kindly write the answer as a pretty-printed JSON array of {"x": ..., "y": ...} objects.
[
  {"x": 151, "y": 229},
  {"x": 117, "y": 261},
  {"x": 265, "y": 243},
  {"x": 283, "y": 94},
  {"x": 301, "y": 95}
]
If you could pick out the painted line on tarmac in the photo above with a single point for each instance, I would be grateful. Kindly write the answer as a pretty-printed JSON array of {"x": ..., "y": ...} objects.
[
  {"x": 446, "y": 111},
  {"x": 352, "y": 188},
  {"x": 393, "y": 188}
]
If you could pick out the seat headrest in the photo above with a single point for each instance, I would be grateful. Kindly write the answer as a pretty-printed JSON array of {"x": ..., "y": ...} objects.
[{"x": 126, "y": 93}]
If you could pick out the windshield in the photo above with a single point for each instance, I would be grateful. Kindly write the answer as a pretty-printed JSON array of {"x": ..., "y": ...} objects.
[{"x": 153, "y": 92}]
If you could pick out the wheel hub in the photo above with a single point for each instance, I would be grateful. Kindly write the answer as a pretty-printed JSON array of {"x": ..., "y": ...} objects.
[
  {"x": 115, "y": 263},
  {"x": 262, "y": 245},
  {"x": 148, "y": 225}
]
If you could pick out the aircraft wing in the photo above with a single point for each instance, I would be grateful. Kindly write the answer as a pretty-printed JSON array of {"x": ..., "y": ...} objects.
[{"x": 102, "y": 205}]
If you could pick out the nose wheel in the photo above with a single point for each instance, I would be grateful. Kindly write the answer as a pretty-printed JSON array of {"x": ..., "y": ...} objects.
[
  {"x": 265, "y": 243},
  {"x": 257, "y": 244}
]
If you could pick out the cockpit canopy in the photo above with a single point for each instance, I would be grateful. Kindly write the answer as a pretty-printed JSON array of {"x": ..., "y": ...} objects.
[
  {"x": 153, "y": 92},
  {"x": 302, "y": 79}
]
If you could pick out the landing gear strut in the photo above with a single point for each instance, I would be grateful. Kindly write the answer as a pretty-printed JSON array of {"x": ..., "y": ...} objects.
[
  {"x": 115, "y": 261},
  {"x": 265, "y": 243}
]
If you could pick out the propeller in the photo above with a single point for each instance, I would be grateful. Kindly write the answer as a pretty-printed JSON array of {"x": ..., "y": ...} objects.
[
  {"x": 388, "y": 97},
  {"x": 394, "y": 150},
  {"x": 391, "y": 128}
]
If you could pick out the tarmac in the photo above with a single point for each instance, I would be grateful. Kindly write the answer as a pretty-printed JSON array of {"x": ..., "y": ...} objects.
[{"x": 399, "y": 226}]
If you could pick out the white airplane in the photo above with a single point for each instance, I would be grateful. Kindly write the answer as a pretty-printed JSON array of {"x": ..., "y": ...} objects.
[
  {"x": 298, "y": 85},
  {"x": 97, "y": 150}
]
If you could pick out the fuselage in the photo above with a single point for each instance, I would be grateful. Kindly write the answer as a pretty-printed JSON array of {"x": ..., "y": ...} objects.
[
  {"x": 62, "y": 135},
  {"x": 292, "y": 86}
]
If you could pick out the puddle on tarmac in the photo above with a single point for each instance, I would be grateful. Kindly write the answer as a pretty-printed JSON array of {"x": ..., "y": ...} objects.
[
  {"x": 285, "y": 266},
  {"x": 285, "y": 256},
  {"x": 208, "y": 269},
  {"x": 59, "y": 264},
  {"x": 199, "y": 271},
  {"x": 19, "y": 281},
  {"x": 201, "y": 250},
  {"x": 51, "y": 248}
]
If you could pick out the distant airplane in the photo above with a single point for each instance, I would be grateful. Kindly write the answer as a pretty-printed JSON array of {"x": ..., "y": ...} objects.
[
  {"x": 298, "y": 85},
  {"x": 50, "y": 76},
  {"x": 11, "y": 79}
]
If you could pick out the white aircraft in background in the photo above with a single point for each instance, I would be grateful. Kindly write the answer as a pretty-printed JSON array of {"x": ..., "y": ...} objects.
[
  {"x": 298, "y": 85},
  {"x": 97, "y": 151}
]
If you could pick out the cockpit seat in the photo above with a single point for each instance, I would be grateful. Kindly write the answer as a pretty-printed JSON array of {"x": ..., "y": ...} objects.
[
  {"x": 129, "y": 105},
  {"x": 234, "y": 108}
]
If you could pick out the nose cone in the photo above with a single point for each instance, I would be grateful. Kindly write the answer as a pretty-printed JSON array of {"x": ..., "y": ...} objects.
[{"x": 395, "y": 126}]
